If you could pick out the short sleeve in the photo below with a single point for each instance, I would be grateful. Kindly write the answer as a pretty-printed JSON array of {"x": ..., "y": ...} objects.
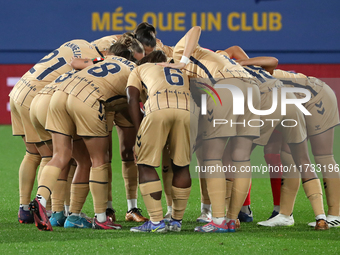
[{"x": 135, "y": 80}]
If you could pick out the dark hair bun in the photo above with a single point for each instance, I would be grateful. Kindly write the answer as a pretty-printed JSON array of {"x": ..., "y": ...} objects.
[
  {"x": 146, "y": 27},
  {"x": 146, "y": 34}
]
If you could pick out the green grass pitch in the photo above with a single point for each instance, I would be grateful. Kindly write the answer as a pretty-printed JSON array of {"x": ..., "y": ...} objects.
[{"x": 18, "y": 238}]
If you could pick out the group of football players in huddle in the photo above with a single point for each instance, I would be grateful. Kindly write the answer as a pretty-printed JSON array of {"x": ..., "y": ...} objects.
[{"x": 66, "y": 105}]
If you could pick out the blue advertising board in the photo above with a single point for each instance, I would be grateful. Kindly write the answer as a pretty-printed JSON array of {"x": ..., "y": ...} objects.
[{"x": 295, "y": 31}]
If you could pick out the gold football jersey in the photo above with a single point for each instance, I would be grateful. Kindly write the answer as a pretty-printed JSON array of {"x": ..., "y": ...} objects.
[
  {"x": 168, "y": 50},
  {"x": 104, "y": 43},
  {"x": 51, "y": 87},
  {"x": 104, "y": 81},
  {"x": 161, "y": 87},
  {"x": 299, "y": 80},
  {"x": 50, "y": 68},
  {"x": 208, "y": 64},
  {"x": 265, "y": 80}
]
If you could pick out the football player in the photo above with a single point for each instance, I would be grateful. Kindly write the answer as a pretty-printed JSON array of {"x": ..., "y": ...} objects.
[
  {"x": 41, "y": 74},
  {"x": 320, "y": 128},
  {"x": 295, "y": 137},
  {"x": 168, "y": 115},
  {"x": 77, "y": 107},
  {"x": 202, "y": 63}
]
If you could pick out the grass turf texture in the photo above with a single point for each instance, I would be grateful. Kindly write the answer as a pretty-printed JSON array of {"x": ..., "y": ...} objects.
[{"x": 250, "y": 239}]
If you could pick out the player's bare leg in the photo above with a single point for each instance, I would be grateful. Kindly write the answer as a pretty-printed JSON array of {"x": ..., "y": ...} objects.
[
  {"x": 79, "y": 187},
  {"x": 98, "y": 148},
  {"x": 181, "y": 187},
  {"x": 46, "y": 158},
  {"x": 167, "y": 176},
  {"x": 46, "y": 153},
  {"x": 55, "y": 204},
  {"x": 126, "y": 137},
  {"x": 151, "y": 189},
  {"x": 62, "y": 153},
  {"x": 58, "y": 197}
]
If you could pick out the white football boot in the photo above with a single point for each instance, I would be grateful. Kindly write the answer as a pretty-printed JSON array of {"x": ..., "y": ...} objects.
[
  {"x": 205, "y": 216},
  {"x": 278, "y": 220},
  {"x": 333, "y": 221}
]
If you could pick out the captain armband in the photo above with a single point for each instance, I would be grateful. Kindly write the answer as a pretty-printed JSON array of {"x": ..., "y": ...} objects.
[{"x": 96, "y": 60}]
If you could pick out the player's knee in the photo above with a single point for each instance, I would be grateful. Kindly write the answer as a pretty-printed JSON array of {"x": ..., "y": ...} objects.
[
  {"x": 63, "y": 156},
  {"x": 239, "y": 156},
  {"x": 84, "y": 164},
  {"x": 322, "y": 150},
  {"x": 34, "y": 157},
  {"x": 176, "y": 168},
  {"x": 31, "y": 148}
]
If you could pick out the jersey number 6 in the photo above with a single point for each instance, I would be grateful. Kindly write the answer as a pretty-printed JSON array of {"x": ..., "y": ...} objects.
[{"x": 173, "y": 78}]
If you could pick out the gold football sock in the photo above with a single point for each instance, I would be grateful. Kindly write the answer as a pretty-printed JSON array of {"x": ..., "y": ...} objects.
[
  {"x": 204, "y": 191},
  {"x": 58, "y": 195},
  {"x": 130, "y": 175},
  {"x": 229, "y": 185},
  {"x": 27, "y": 173},
  {"x": 313, "y": 192},
  {"x": 79, "y": 192},
  {"x": 331, "y": 180},
  {"x": 290, "y": 184},
  {"x": 44, "y": 161},
  {"x": 48, "y": 204},
  {"x": 180, "y": 198},
  {"x": 68, "y": 184},
  {"x": 216, "y": 187},
  {"x": 99, "y": 178},
  {"x": 153, "y": 206},
  {"x": 48, "y": 179},
  {"x": 240, "y": 189}
]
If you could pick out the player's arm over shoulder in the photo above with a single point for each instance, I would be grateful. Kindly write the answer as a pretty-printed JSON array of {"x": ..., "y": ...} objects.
[
  {"x": 267, "y": 63},
  {"x": 81, "y": 63},
  {"x": 236, "y": 52}
]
